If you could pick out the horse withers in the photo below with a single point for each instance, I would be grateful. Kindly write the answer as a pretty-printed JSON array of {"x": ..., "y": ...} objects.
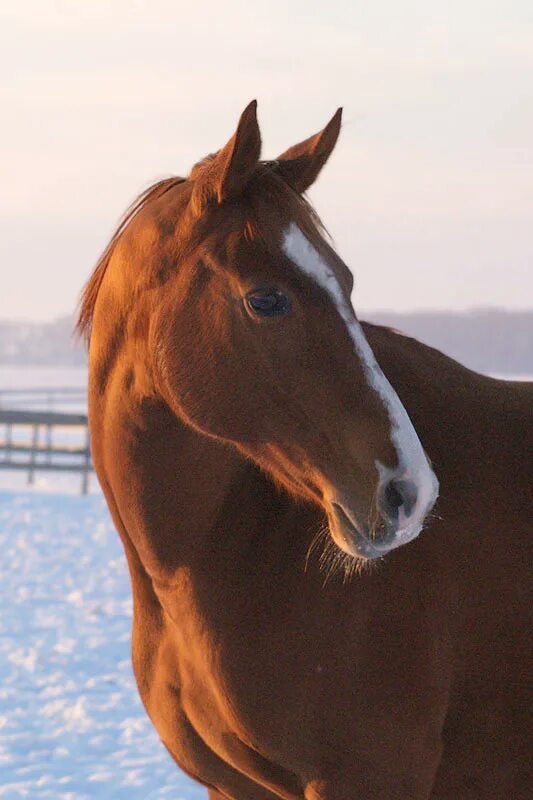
[{"x": 264, "y": 476}]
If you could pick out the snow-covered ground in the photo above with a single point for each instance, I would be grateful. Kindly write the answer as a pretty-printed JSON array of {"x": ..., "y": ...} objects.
[{"x": 71, "y": 724}]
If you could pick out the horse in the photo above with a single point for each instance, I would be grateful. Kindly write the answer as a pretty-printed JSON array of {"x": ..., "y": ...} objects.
[{"x": 327, "y": 523}]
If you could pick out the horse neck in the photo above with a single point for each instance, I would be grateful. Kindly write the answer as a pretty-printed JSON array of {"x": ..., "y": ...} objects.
[{"x": 474, "y": 428}]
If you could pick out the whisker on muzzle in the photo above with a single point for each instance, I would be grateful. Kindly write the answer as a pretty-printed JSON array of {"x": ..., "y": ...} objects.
[{"x": 332, "y": 561}]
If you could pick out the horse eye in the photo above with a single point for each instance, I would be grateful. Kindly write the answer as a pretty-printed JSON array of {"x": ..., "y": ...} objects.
[{"x": 268, "y": 303}]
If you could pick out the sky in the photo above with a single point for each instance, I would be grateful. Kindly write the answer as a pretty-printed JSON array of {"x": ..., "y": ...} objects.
[{"x": 428, "y": 195}]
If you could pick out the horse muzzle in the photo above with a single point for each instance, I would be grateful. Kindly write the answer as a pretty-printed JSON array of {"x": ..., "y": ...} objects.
[{"x": 402, "y": 506}]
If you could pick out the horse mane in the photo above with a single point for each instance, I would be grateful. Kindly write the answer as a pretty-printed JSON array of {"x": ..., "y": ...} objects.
[{"x": 92, "y": 287}]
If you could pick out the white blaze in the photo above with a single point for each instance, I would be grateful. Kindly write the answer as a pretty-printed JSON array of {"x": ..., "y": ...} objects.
[{"x": 412, "y": 460}]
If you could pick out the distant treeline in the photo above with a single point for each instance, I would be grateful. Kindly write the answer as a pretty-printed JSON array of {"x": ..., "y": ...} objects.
[
  {"x": 487, "y": 340},
  {"x": 41, "y": 344}
]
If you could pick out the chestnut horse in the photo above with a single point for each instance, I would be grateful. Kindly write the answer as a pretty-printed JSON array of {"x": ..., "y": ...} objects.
[{"x": 264, "y": 475}]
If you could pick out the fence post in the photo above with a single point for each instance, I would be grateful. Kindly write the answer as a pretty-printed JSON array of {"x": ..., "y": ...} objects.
[
  {"x": 9, "y": 439},
  {"x": 34, "y": 445},
  {"x": 49, "y": 443},
  {"x": 86, "y": 463},
  {"x": 37, "y": 438}
]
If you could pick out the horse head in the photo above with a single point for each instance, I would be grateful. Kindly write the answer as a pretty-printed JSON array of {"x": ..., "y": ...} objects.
[{"x": 252, "y": 337}]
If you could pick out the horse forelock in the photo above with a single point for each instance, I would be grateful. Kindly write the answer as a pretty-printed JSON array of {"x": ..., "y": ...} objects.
[{"x": 268, "y": 206}]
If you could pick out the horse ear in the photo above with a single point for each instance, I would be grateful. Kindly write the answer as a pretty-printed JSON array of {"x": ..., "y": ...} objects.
[
  {"x": 228, "y": 173},
  {"x": 301, "y": 164}
]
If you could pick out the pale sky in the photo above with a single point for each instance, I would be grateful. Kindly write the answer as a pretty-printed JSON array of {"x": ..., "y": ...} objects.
[{"x": 429, "y": 194}]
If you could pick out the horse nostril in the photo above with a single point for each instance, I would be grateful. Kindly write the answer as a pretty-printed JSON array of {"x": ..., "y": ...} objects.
[{"x": 396, "y": 495}]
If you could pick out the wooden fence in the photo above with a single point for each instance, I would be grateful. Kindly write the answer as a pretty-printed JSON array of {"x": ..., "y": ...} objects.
[{"x": 28, "y": 437}]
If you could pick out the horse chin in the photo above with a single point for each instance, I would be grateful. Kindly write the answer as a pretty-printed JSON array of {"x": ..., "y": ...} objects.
[{"x": 356, "y": 541}]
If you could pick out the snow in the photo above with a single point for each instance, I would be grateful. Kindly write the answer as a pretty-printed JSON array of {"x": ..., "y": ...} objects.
[{"x": 71, "y": 724}]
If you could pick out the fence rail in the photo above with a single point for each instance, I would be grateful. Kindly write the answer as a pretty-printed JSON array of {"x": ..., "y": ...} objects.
[{"x": 28, "y": 440}]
